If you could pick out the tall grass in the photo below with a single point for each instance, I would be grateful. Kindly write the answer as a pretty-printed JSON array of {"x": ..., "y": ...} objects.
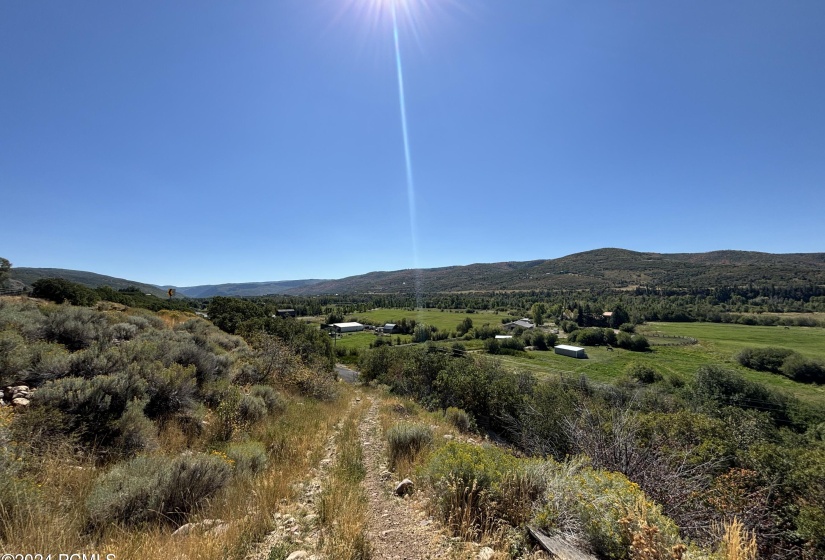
[
  {"x": 49, "y": 504},
  {"x": 406, "y": 440},
  {"x": 342, "y": 508},
  {"x": 736, "y": 542}
]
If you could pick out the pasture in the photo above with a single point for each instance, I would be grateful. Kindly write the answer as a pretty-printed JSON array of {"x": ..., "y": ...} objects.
[
  {"x": 444, "y": 320},
  {"x": 718, "y": 344}
]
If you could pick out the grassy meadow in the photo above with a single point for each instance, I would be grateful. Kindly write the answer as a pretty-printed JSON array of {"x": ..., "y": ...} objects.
[
  {"x": 718, "y": 343},
  {"x": 444, "y": 320}
]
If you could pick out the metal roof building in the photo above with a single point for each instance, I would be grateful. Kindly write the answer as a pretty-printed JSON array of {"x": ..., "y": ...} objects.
[
  {"x": 347, "y": 327},
  {"x": 521, "y": 323},
  {"x": 571, "y": 351}
]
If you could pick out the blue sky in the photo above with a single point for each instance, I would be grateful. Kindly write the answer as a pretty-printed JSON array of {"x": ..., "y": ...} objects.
[{"x": 205, "y": 142}]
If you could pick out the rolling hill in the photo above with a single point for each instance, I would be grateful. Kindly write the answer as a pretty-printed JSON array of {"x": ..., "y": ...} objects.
[
  {"x": 598, "y": 269},
  {"x": 30, "y": 275},
  {"x": 244, "y": 289}
]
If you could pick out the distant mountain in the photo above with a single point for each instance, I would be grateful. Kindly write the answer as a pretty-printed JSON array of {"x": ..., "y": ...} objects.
[
  {"x": 244, "y": 289},
  {"x": 28, "y": 276},
  {"x": 597, "y": 269}
]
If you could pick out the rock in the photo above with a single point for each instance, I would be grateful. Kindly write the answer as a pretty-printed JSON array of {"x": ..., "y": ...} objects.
[
  {"x": 211, "y": 525},
  {"x": 486, "y": 553},
  {"x": 21, "y": 391},
  {"x": 404, "y": 487},
  {"x": 20, "y": 401},
  {"x": 298, "y": 555},
  {"x": 386, "y": 475},
  {"x": 448, "y": 436}
]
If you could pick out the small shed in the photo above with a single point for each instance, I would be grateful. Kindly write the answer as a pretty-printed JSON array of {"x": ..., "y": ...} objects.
[
  {"x": 347, "y": 327},
  {"x": 571, "y": 351}
]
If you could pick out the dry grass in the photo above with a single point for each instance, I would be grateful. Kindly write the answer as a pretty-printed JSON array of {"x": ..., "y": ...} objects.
[
  {"x": 172, "y": 318},
  {"x": 343, "y": 505},
  {"x": 51, "y": 515},
  {"x": 736, "y": 542}
]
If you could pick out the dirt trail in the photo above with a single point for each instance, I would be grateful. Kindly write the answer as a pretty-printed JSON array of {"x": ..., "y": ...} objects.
[
  {"x": 398, "y": 529},
  {"x": 296, "y": 523}
]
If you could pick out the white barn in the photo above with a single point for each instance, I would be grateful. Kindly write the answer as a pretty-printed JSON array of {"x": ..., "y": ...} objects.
[
  {"x": 347, "y": 327},
  {"x": 571, "y": 351}
]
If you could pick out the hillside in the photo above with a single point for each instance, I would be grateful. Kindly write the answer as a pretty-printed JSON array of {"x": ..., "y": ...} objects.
[
  {"x": 30, "y": 275},
  {"x": 244, "y": 289},
  {"x": 597, "y": 269}
]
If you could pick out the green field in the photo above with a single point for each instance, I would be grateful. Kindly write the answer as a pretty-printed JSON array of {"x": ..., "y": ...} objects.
[
  {"x": 724, "y": 340},
  {"x": 363, "y": 339},
  {"x": 718, "y": 344},
  {"x": 444, "y": 320}
]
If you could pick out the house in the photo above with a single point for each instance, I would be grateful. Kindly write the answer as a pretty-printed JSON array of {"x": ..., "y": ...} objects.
[
  {"x": 286, "y": 313},
  {"x": 503, "y": 336},
  {"x": 571, "y": 351},
  {"x": 346, "y": 327},
  {"x": 520, "y": 324}
]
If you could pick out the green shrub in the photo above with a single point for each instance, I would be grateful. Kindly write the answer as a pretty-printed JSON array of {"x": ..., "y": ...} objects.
[
  {"x": 469, "y": 481},
  {"x": 227, "y": 413},
  {"x": 142, "y": 323},
  {"x": 610, "y": 512},
  {"x": 23, "y": 317},
  {"x": 801, "y": 369},
  {"x": 763, "y": 359},
  {"x": 642, "y": 373},
  {"x": 135, "y": 432},
  {"x": 59, "y": 290},
  {"x": 97, "y": 359},
  {"x": 208, "y": 366},
  {"x": 467, "y": 463},
  {"x": 251, "y": 409},
  {"x": 715, "y": 386},
  {"x": 639, "y": 343},
  {"x": 406, "y": 440},
  {"x": 74, "y": 327},
  {"x": 14, "y": 357},
  {"x": 155, "y": 489},
  {"x": 245, "y": 373},
  {"x": 274, "y": 402},
  {"x": 92, "y": 408},
  {"x": 171, "y": 390},
  {"x": 458, "y": 418},
  {"x": 492, "y": 346},
  {"x": 123, "y": 331},
  {"x": 248, "y": 457}
]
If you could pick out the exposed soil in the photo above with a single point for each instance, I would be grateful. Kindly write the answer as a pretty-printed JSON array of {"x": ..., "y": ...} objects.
[{"x": 398, "y": 528}]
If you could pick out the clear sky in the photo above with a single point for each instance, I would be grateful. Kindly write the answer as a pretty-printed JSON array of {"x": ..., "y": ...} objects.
[{"x": 192, "y": 142}]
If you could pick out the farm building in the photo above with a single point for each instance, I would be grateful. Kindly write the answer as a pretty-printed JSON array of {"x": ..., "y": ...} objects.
[
  {"x": 286, "y": 313},
  {"x": 520, "y": 324},
  {"x": 391, "y": 328},
  {"x": 571, "y": 351},
  {"x": 346, "y": 327}
]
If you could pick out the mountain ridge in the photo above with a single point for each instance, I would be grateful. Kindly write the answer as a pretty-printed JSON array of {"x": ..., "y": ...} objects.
[{"x": 605, "y": 268}]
